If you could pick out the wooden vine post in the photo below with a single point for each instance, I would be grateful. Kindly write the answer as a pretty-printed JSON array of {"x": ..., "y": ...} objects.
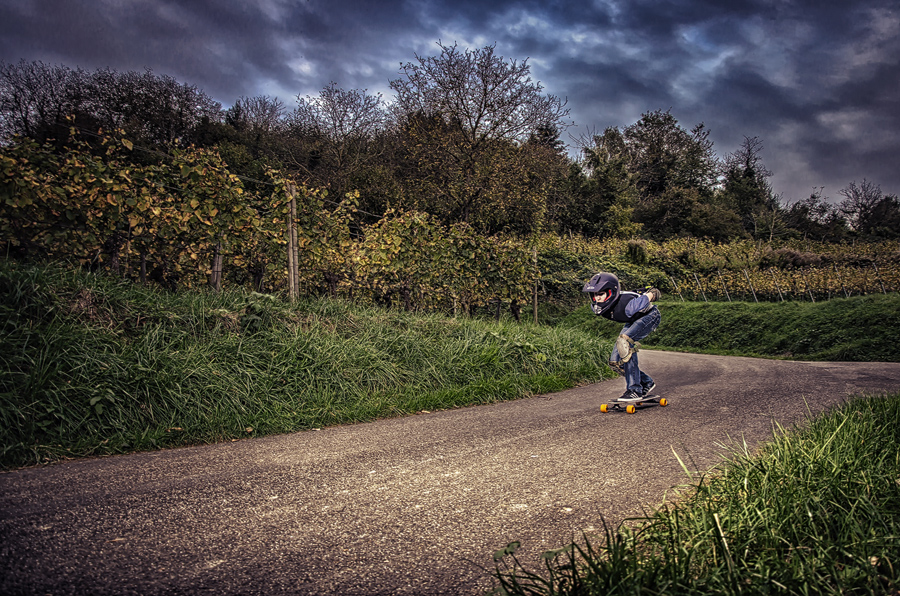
[
  {"x": 750, "y": 283},
  {"x": 702, "y": 293},
  {"x": 293, "y": 267},
  {"x": 777, "y": 287},
  {"x": 806, "y": 283},
  {"x": 215, "y": 278},
  {"x": 537, "y": 278},
  {"x": 724, "y": 287},
  {"x": 878, "y": 277},
  {"x": 840, "y": 279},
  {"x": 677, "y": 289}
]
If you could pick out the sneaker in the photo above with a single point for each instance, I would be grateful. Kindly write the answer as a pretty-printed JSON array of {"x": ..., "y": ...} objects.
[
  {"x": 630, "y": 396},
  {"x": 647, "y": 390}
]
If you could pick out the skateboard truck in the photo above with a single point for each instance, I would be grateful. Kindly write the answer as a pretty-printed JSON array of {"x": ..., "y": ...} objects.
[{"x": 633, "y": 406}]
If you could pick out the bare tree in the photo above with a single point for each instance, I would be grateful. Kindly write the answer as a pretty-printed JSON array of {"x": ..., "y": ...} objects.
[
  {"x": 36, "y": 98},
  {"x": 261, "y": 114},
  {"x": 869, "y": 211},
  {"x": 338, "y": 132},
  {"x": 486, "y": 95},
  {"x": 859, "y": 202}
]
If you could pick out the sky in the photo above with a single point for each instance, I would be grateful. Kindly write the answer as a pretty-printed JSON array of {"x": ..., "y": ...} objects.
[{"x": 816, "y": 81}]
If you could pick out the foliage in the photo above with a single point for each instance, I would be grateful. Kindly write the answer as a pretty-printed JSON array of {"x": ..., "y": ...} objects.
[
  {"x": 469, "y": 138},
  {"x": 465, "y": 121},
  {"x": 189, "y": 220}
]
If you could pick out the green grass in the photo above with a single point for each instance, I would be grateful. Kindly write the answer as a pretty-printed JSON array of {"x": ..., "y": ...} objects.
[
  {"x": 95, "y": 365},
  {"x": 861, "y": 328},
  {"x": 816, "y": 511}
]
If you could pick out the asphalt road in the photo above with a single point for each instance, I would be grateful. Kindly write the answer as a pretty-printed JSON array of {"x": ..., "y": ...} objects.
[{"x": 414, "y": 505}]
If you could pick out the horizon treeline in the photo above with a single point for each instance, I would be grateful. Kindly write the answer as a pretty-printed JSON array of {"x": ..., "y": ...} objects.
[{"x": 468, "y": 138}]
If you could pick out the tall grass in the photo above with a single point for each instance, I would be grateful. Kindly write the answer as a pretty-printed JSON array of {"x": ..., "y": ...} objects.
[
  {"x": 817, "y": 511},
  {"x": 92, "y": 364}
]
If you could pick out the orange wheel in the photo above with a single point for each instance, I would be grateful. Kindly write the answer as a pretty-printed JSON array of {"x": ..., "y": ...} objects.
[
  {"x": 663, "y": 401},
  {"x": 630, "y": 409},
  {"x": 604, "y": 408}
]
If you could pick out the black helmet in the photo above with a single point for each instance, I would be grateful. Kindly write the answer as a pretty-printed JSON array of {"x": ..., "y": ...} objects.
[{"x": 603, "y": 291}]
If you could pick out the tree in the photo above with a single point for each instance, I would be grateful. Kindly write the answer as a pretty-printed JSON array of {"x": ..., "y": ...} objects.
[
  {"x": 464, "y": 117},
  {"x": 153, "y": 110},
  {"x": 606, "y": 204},
  {"x": 261, "y": 114},
  {"x": 885, "y": 219},
  {"x": 869, "y": 212},
  {"x": 747, "y": 191},
  {"x": 36, "y": 99},
  {"x": 674, "y": 173},
  {"x": 663, "y": 155},
  {"x": 815, "y": 218},
  {"x": 336, "y": 134}
]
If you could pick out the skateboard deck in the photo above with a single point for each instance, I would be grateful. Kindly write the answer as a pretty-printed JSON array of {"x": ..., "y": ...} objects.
[{"x": 631, "y": 407}]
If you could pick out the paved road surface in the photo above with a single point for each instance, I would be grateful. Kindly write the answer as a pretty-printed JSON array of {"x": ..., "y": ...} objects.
[{"x": 414, "y": 505}]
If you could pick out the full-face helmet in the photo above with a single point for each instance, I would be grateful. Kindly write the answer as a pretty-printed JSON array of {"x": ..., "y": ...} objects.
[{"x": 603, "y": 291}]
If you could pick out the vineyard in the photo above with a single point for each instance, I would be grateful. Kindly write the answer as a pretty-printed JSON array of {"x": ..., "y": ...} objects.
[
  {"x": 185, "y": 221},
  {"x": 698, "y": 270}
]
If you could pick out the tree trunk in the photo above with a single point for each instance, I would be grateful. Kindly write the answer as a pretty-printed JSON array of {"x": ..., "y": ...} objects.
[{"x": 516, "y": 310}]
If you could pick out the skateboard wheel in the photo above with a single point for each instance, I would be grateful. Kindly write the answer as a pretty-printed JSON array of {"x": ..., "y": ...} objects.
[
  {"x": 663, "y": 401},
  {"x": 630, "y": 409},
  {"x": 604, "y": 408}
]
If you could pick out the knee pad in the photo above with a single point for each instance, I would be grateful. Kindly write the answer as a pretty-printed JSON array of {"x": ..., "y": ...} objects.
[
  {"x": 626, "y": 347},
  {"x": 618, "y": 366}
]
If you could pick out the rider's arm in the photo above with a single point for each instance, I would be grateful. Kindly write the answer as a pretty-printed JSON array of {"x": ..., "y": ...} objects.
[{"x": 639, "y": 304}]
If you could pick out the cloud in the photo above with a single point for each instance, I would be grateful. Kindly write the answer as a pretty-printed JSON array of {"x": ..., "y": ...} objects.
[{"x": 818, "y": 82}]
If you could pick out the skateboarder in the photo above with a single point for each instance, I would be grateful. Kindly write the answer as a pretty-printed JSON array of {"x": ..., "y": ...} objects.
[{"x": 640, "y": 316}]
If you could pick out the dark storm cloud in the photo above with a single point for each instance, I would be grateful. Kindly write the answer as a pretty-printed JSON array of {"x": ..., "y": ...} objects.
[{"x": 817, "y": 82}]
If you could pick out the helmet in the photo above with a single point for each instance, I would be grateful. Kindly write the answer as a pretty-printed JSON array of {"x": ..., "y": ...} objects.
[{"x": 603, "y": 291}]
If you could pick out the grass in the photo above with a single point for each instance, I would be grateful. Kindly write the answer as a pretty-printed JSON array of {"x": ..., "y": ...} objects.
[
  {"x": 816, "y": 511},
  {"x": 96, "y": 365},
  {"x": 861, "y": 328}
]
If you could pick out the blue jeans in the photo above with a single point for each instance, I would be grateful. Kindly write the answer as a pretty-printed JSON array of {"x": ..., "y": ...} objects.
[{"x": 636, "y": 379}]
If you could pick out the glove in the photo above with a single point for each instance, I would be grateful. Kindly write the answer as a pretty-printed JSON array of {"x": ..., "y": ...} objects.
[{"x": 653, "y": 292}]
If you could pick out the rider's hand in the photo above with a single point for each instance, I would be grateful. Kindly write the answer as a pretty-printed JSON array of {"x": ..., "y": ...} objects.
[{"x": 652, "y": 293}]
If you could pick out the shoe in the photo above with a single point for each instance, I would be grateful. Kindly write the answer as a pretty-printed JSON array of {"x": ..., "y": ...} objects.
[
  {"x": 647, "y": 390},
  {"x": 630, "y": 396}
]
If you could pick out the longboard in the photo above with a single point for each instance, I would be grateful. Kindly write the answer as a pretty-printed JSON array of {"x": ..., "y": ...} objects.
[{"x": 633, "y": 406}]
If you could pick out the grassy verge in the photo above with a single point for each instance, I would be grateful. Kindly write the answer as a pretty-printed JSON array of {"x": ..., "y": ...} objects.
[
  {"x": 817, "y": 511},
  {"x": 94, "y": 365},
  {"x": 861, "y": 328}
]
